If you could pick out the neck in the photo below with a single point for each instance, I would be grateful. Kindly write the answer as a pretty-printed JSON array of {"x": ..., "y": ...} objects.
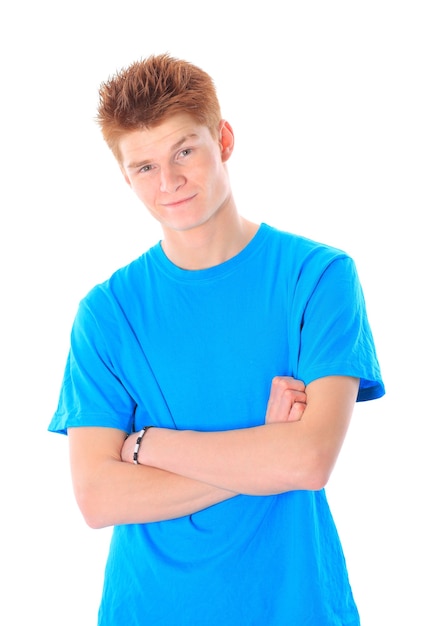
[{"x": 209, "y": 244}]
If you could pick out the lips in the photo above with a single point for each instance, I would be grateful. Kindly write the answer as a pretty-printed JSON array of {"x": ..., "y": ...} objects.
[{"x": 178, "y": 203}]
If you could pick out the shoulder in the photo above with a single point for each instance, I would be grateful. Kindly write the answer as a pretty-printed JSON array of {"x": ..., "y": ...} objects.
[
  {"x": 115, "y": 299},
  {"x": 122, "y": 283},
  {"x": 293, "y": 242},
  {"x": 300, "y": 254}
]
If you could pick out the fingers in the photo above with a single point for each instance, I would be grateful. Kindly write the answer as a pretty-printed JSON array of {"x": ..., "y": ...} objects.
[
  {"x": 287, "y": 400},
  {"x": 288, "y": 382},
  {"x": 296, "y": 412}
]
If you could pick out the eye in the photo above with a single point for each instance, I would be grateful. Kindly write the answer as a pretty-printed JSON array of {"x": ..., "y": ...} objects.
[
  {"x": 146, "y": 168},
  {"x": 185, "y": 152}
]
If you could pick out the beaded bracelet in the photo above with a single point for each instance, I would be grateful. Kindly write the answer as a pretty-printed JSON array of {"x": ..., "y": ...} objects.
[{"x": 138, "y": 444}]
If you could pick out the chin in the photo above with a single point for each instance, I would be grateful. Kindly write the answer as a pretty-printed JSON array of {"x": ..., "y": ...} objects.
[{"x": 185, "y": 225}]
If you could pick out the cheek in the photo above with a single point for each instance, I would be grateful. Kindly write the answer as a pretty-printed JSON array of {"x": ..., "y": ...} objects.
[{"x": 144, "y": 192}]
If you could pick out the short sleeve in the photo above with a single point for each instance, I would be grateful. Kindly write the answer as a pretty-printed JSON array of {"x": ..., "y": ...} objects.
[
  {"x": 335, "y": 334},
  {"x": 92, "y": 393}
]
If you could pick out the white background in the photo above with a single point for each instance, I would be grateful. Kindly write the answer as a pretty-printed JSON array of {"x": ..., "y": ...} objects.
[{"x": 327, "y": 100}]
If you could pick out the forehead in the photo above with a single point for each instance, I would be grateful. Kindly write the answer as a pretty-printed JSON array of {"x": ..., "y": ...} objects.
[{"x": 160, "y": 139}]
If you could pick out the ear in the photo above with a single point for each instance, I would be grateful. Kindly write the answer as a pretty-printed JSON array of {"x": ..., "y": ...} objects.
[{"x": 226, "y": 139}]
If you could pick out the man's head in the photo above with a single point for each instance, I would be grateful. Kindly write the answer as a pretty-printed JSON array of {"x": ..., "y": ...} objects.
[{"x": 149, "y": 91}]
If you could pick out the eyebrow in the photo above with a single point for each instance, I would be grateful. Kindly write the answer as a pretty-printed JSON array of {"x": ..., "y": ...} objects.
[
  {"x": 181, "y": 141},
  {"x": 175, "y": 146}
]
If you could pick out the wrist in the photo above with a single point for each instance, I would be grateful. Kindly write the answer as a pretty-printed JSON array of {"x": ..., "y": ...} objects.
[{"x": 138, "y": 445}]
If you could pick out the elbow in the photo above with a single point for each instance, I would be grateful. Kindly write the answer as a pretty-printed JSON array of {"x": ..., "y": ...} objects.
[
  {"x": 95, "y": 522},
  {"x": 312, "y": 473},
  {"x": 316, "y": 479},
  {"x": 317, "y": 472},
  {"x": 91, "y": 508}
]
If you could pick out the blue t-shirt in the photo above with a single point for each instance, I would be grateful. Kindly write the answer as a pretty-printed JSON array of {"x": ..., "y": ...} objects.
[{"x": 160, "y": 345}]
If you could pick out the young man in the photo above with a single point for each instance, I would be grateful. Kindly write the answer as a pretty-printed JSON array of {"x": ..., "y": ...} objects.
[{"x": 243, "y": 349}]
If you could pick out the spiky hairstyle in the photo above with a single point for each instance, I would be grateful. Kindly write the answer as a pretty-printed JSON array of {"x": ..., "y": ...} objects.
[{"x": 149, "y": 91}]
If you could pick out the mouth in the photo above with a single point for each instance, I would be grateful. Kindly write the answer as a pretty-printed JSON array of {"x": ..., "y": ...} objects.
[{"x": 178, "y": 203}]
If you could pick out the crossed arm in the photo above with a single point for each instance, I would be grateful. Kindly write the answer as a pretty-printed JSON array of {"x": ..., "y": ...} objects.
[{"x": 182, "y": 472}]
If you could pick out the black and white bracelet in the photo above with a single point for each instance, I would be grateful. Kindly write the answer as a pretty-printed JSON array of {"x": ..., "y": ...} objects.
[{"x": 138, "y": 444}]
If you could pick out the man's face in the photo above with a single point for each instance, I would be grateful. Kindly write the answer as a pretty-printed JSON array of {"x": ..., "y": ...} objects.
[{"x": 177, "y": 169}]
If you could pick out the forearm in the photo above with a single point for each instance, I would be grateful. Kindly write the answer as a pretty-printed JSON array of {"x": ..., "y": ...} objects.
[
  {"x": 140, "y": 494},
  {"x": 111, "y": 492},
  {"x": 264, "y": 460},
  {"x": 256, "y": 461}
]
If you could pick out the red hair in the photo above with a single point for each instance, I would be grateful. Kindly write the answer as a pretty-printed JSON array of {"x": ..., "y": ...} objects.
[{"x": 147, "y": 92}]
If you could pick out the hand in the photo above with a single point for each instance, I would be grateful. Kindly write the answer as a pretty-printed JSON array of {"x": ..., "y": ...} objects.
[
  {"x": 128, "y": 448},
  {"x": 287, "y": 400}
]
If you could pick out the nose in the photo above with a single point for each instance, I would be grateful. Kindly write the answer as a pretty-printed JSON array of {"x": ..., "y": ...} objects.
[{"x": 171, "y": 180}]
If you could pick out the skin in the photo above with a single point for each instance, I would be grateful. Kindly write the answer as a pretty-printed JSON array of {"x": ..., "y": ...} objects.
[
  {"x": 110, "y": 491},
  {"x": 289, "y": 452},
  {"x": 179, "y": 172},
  {"x": 185, "y": 186}
]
